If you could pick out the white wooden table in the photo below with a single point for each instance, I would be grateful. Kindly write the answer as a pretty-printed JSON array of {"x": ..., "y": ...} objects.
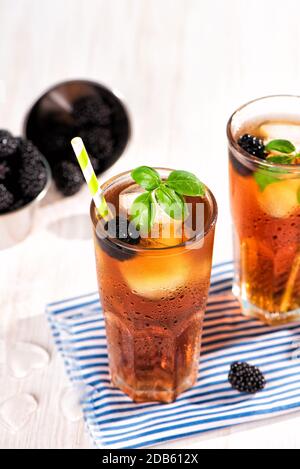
[{"x": 183, "y": 66}]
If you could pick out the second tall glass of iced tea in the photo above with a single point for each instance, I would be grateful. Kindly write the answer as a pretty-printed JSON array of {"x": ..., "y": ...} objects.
[
  {"x": 154, "y": 296},
  {"x": 264, "y": 160}
]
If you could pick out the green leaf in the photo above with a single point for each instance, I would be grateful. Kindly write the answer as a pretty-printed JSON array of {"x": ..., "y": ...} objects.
[
  {"x": 171, "y": 202},
  {"x": 146, "y": 177},
  {"x": 284, "y": 146},
  {"x": 185, "y": 183},
  {"x": 142, "y": 212},
  {"x": 264, "y": 178},
  {"x": 281, "y": 159}
]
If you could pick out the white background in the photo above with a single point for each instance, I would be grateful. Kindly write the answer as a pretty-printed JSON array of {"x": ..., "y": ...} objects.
[{"x": 183, "y": 66}]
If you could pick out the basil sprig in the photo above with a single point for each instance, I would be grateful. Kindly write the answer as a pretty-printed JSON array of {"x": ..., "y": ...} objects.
[
  {"x": 264, "y": 177},
  {"x": 143, "y": 211},
  {"x": 283, "y": 146},
  {"x": 285, "y": 153},
  {"x": 168, "y": 194}
]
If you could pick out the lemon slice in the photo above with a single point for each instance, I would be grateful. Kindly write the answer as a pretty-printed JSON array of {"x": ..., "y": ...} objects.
[
  {"x": 280, "y": 199},
  {"x": 155, "y": 278}
]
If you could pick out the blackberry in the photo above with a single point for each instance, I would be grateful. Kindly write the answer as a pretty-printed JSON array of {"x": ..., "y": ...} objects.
[
  {"x": 68, "y": 177},
  {"x": 8, "y": 144},
  {"x": 98, "y": 141},
  {"x": 246, "y": 378},
  {"x": 28, "y": 151},
  {"x": 6, "y": 199},
  {"x": 5, "y": 170},
  {"x": 119, "y": 228},
  {"x": 91, "y": 110},
  {"x": 252, "y": 145},
  {"x": 32, "y": 176},
  {"x": 55, "y": 142}
]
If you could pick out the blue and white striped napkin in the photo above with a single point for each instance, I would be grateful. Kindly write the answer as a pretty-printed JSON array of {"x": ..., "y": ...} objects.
[{"x": 114, "y": 421}]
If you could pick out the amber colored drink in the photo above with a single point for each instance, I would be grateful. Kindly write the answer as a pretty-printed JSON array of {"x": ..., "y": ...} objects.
[
  {"x": 265, "y": 201},
  {"x": 154, "y": 296}
]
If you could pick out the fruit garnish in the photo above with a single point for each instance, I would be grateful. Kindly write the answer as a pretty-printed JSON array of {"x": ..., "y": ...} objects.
[
  {"x": 281, "y": 199},
  {"x": 246, "y": 378},
  {"x": 168, "y": 194},
  {"x": 277, "y": 151},
  {"x": 121, "y": 228},
  {"x": 252, "y": 145}
]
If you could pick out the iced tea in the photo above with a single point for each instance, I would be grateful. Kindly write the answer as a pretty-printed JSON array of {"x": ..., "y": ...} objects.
[
  {"x": 154, "y": 296},
  {"x": 265, "y": 201}
]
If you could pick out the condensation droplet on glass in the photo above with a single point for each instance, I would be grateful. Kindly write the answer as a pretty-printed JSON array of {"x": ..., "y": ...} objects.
[
  {"x": 16, "y": 411},
  {"x": 25, "y": 357}
]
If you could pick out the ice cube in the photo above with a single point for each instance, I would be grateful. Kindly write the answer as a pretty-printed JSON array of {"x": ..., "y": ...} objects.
[
  {"x": 165, "y": 231},
  {"x": 16, "y": 411},
  {"x": 25, "y": 357},
  {"x": 156, "y": 277},
  {"x": 70, "y": 403},
  {"x": 280, "y": 199},
  {"x": 126, "y": 198},
  {"x": 278, "y": 130}
]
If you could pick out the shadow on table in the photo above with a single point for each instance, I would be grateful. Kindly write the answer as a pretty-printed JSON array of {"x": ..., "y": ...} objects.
[{"x": 72, "y": 227}]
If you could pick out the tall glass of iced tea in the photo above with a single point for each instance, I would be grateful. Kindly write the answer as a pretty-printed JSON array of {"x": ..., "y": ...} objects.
[
  {"x": 264, "y": 160},
  {"x": 154, "y": 293}
]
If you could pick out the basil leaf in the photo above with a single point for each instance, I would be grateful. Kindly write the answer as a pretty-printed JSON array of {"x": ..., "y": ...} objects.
[
  {"x": 284, "y": 146},
  {"x": 185, "y": 183},
  {"x": 142, "y": 212},
  {"x": 264, "y": 178},
  {"x": 281, "y": 159},
  {"x": 146, "y": 177},
  {"x": 171, "y": 202}
]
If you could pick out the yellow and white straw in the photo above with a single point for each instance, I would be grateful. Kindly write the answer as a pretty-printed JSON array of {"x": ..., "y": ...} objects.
[{"x": 90, "y": 176}]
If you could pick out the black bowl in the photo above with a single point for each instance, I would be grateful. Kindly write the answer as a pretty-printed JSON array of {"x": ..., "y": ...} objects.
[{"x": 50, "y": 123}]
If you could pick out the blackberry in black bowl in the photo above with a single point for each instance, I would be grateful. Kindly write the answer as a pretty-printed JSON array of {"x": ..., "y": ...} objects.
[
  {"x": 82, "y": 108},
  {"x": 24, "y": 173},
  {"x": 25, "y": 178}
]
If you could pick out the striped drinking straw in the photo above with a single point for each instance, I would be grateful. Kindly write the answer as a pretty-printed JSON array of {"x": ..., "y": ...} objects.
[{"x": 90, "y": 177}]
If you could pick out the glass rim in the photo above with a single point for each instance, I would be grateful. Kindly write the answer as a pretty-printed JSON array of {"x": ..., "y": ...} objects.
[
  {"x": 251, "y": 159},
  {"x": 135, "y": 248}
]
